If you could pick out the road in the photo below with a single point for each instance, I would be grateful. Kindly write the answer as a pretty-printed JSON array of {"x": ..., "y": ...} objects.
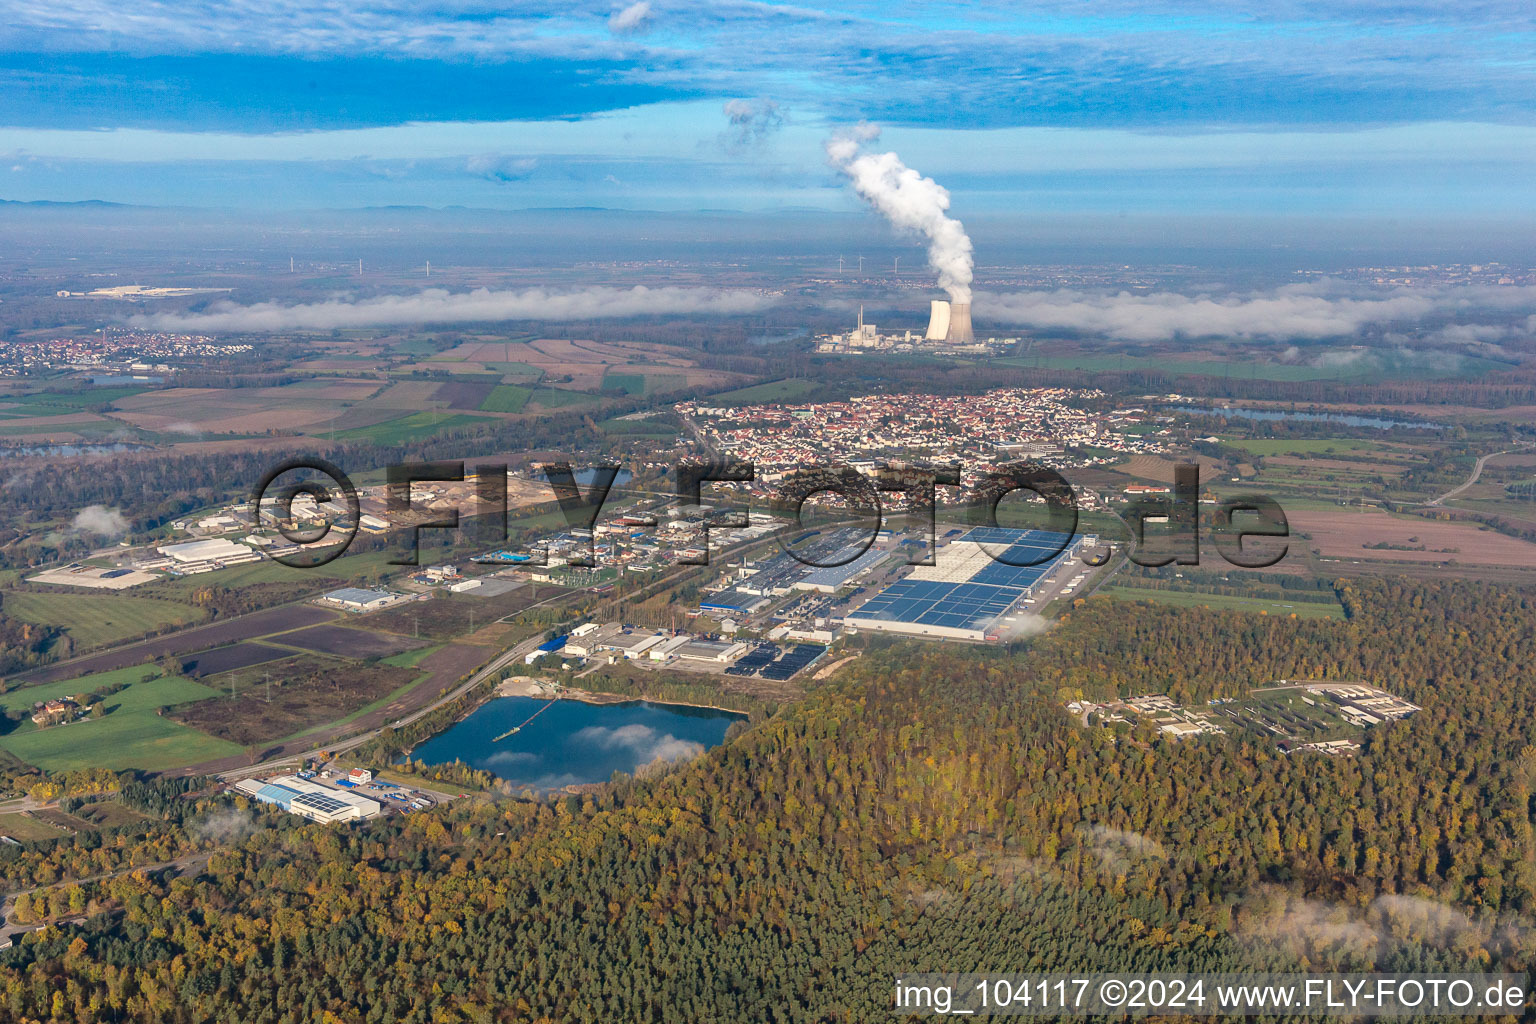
[
  {"x": 493, "y": 667},
  {"x": 1477, "y": 471},
  {"x": 191, "y": 864}
]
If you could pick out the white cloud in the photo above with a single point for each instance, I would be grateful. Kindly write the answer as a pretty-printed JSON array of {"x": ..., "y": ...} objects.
[
  {"x": 437, "y": 305},
  {"x": 1312, "y": 311},
  {"x": 499, "y": 167},
  {"x": 634, "y": 18},
  {"x": 98, "y": 519}
]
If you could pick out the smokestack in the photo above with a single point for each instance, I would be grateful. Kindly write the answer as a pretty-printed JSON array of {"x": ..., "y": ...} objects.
[
  {"x": 960, "y": 324},
  {"x": 938, "y": 321}
]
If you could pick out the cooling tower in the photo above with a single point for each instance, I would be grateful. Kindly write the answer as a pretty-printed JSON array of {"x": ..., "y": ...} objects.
[
  {"x": 960, "y": 324},
  {"x": 938, "y": 321}
]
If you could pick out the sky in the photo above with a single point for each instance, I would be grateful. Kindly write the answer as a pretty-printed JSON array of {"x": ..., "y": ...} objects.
[{"x": 1411, "y": 109}]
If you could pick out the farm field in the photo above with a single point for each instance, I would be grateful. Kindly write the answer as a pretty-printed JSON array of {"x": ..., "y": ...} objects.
[
  {"x": 410, "y": 659},
  {"x": 190, "y": 411},
  {"x": 307, "y": 691},
  {"x": 411, "y": 427},
  {"x": 346, "y": 642},
  {"x": 24, "y": 697},
  {"x": 131, "y": 735},
  {"x": 506, "y": 398},
  {"x": 644, "y": 383},
  {"x": 96, "y": 620},
  {"x": 26, "y": 829},
  {"x": 465, "y": 394},
  {"x": 770, "y": 391},
  {"x": 559, "y": 398},
  {"x": 247, "y": 627},
  {"x": 641, "y": 428},
  {"x": 1348, "y": 447},
  {"x": 1413, "y": 539},
  {"x": 226, "y": 659},
  {"x": 1227, "y": 602},
  {"x": 446, "y": 616},
  {"x": 585, "y": 362},
  {"x": 1160, "y": 470}
]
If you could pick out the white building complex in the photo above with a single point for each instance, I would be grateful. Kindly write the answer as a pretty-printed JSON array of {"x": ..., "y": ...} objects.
[{"x": 310, "y": 799}]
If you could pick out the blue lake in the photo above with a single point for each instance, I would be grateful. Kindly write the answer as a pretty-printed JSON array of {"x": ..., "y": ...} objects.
[
  {"x": 1348, "y": 419},
  {"x": 572, "y": 742}
]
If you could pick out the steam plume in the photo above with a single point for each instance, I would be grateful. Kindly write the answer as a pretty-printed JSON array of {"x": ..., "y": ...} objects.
[{"x": 909, "y": 201}]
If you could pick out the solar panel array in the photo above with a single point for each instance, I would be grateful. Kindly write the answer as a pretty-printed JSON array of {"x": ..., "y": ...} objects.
[
  {"x": 976, "y": 602},
  {"x": 773, "y": 662},
  {"x": 749, "y": 664},
  {"x": 793, "y": 661},
  {"x": 320, "y": 802}
]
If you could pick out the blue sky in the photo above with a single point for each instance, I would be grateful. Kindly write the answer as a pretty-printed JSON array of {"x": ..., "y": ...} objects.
[{"x": 1395, "y": 109}]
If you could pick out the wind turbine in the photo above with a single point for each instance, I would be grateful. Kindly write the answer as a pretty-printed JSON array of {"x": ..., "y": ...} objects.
[
  {"x": 861, "y": 264},
  {"x": 896, "y": 267},
  {"x": 839, "y": 266}
]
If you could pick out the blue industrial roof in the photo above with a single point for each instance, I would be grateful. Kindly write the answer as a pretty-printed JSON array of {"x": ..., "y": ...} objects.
[
  {"x": 975, "y": 603},
  {"x": 837, "y": 575},
  {"x": 550, "y": 646}
]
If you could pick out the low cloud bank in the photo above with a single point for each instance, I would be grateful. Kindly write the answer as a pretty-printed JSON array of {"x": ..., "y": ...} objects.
[
  {"x": 1303, "y": 311},
  {"x": 437, "y": 305}
]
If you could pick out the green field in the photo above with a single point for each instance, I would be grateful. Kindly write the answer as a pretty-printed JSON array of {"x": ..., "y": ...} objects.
[
  {"x": 516, "y": 369},
  {"x": 409, "y": 428},
  {"x": 644, "y": 383},
  {"x": 95, "y": 620},
  {"x": 629, "y": 383},
  {"x": 410, "y": 659},
  {"x": 506, "y": 398},
  {"x": 26, "y": 830},
  {"x": 1224, "y": 602},
  {"x": 644, "y": 428},
  {"x": 771, "y": 391},
  {"x": 131, "y": 735},
  {"x": 1306, "y": 446},
  {"x": 25, "y": 696},
  {"x": 349, "y": 567},
  {"x": 55, "y": 403},
  {"x": 557, "y": 398}
]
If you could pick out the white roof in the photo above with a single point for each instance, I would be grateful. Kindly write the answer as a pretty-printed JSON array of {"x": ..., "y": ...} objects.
[{"x": 205, "y": 550}]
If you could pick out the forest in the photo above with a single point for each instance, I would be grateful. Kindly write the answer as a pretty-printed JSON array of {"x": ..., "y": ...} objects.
[{"x": 929, "y": 808}]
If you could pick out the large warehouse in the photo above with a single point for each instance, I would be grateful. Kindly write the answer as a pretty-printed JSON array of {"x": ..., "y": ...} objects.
[
  {"x": 357, "y": 599},
  {"x": 971, "y": 585},
  {"x": 310, "y": 799}
]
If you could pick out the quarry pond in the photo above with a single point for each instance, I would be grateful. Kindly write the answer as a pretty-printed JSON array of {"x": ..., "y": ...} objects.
[{"x": 561, "y": 743}]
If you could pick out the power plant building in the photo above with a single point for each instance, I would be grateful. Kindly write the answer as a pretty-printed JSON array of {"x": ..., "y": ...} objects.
[{"x": 950, "y": 323}]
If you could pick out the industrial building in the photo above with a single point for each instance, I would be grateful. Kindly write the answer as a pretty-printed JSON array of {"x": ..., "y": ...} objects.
[
  {"x": 974, "y": 582},
  {"x": 719, "y": 651},
  {"x": 310, "y": 799},
  {"x": 834, "y": 577},
  {"x": 733, "y": 601},
  {"x": 356, "y": 599},
  {"x": 205, "y": 555},
  {"x": 631, "y": 645}
]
